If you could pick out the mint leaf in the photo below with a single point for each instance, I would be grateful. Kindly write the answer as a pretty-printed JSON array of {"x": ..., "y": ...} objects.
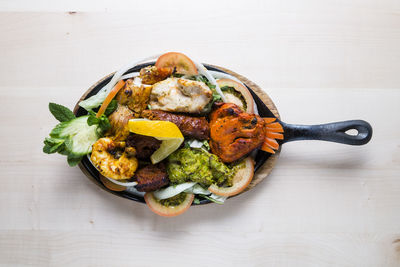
[
  {"x": 53, "y": 141},
  {"x": 56, "y": 132},
  {"x": 104, "y": 123},
  {"x": 63, "y": 151},
  {"x": 92, "y": 120},
  {"x": 60, "y": 112},
  {"x": 111, "y": 107},
  {"x": 46, "y": 149},
  {"x": 73, "y": 160},
  {"x": 53, "y": 145}
]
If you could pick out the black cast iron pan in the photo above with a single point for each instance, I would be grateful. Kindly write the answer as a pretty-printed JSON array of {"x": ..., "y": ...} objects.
[{"x": 333, "y": 132}]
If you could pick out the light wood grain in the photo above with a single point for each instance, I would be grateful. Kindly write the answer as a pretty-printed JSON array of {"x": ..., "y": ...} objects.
[{"x": 324, "y": 204}]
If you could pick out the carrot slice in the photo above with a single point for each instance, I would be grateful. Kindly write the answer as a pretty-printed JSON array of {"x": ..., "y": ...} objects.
[
  {"x": 274, "y": 130},
  {"x": 274, "y": 127},
  {"x": 272, "y": 143},
  {"x": 265, "y": 147},
  {"x": 274, "y": 135},
  {"x": 110, "y": 97},
  {"x": 269, "y": 120}
]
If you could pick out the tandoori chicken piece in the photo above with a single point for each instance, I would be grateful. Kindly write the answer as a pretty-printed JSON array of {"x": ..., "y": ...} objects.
[
  {"x": 152, "y": 75},
  {"x": 119, "y": 123},
  {"x": 136, "y": 97},
  {"x": 234, "y": 133},
  {"x": 112, "y": 160},
  {"x": 196, "y": 127}
]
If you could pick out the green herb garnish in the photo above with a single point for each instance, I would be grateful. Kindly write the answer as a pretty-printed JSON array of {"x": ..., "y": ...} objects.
[
  {"x": 73, "y": 137},
  {"x": 61, "y": 113},
  {"x": 102, "y": 121}
]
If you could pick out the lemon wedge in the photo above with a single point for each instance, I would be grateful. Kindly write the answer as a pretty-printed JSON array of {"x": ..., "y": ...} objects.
[{"x": 165, "y": 131}]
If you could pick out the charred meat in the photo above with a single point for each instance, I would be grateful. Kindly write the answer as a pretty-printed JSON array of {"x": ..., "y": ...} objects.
[
  {"x": 151, "y": 177},
  {"x": 196, "y": 127},
  {"x": 119, "y": 122},
  {"x": 144, "y": 145},
  {"x": 136, "y": 97},
  {"x": 234, "y": 133},
  {"x": 152, "y": 75}
]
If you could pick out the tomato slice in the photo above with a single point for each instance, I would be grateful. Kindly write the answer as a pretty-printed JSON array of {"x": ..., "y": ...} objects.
[
  {"x": 241, "y": 89},
  {"x": 240, "y": 181},
  {"x": 178, "y": 61},
  {"x": 168, "y": 211}
]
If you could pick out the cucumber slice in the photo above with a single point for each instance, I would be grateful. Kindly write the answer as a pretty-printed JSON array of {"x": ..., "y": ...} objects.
[{"x": 79, "y": 136}]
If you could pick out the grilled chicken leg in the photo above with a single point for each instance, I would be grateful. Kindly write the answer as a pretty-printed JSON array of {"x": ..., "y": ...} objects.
[{"x": 234, "y": 133}]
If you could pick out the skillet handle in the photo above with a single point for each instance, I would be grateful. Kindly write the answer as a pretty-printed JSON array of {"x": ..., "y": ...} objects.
[{"x": 333, "y": 132}]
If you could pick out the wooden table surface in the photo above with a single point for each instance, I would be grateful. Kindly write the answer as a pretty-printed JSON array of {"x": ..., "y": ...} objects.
[{"x": 324, "y": 204}]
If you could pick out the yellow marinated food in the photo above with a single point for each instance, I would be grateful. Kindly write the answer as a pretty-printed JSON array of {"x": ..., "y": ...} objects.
[
  {"x": 135, "y": 96},
  {"x": 113, "y": 160},
  {"x": 119, "y": 123}
]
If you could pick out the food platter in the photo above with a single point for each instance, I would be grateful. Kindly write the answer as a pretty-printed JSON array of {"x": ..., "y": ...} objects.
[
  {"x": 148, "y": 121},
  {"x": 264, "y": 162},
  {"x": 173, "y": 133}
]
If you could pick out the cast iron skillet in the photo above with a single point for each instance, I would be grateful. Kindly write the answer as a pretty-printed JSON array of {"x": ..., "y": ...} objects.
[{"x": 333, "y": 132}]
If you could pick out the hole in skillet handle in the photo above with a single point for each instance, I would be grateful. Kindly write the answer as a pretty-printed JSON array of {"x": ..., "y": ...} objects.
[
  {"x": 91, "y": 171},
  {"x": 352, "y": 132}
]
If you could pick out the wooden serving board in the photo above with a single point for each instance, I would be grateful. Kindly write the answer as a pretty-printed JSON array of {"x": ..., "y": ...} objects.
[{"x": 263, "y": 171}]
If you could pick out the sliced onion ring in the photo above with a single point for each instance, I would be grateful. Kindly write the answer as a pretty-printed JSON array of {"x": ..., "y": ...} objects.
[
  {"x": 222, "y": 75},
  {"x": 202, "y": 70},
  {"x": 121, "y": 183},
  {"x": 129, "y": 75}
]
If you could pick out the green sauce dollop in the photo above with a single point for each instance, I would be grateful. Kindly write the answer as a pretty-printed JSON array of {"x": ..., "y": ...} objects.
[{"x": 197, "y": 165}]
